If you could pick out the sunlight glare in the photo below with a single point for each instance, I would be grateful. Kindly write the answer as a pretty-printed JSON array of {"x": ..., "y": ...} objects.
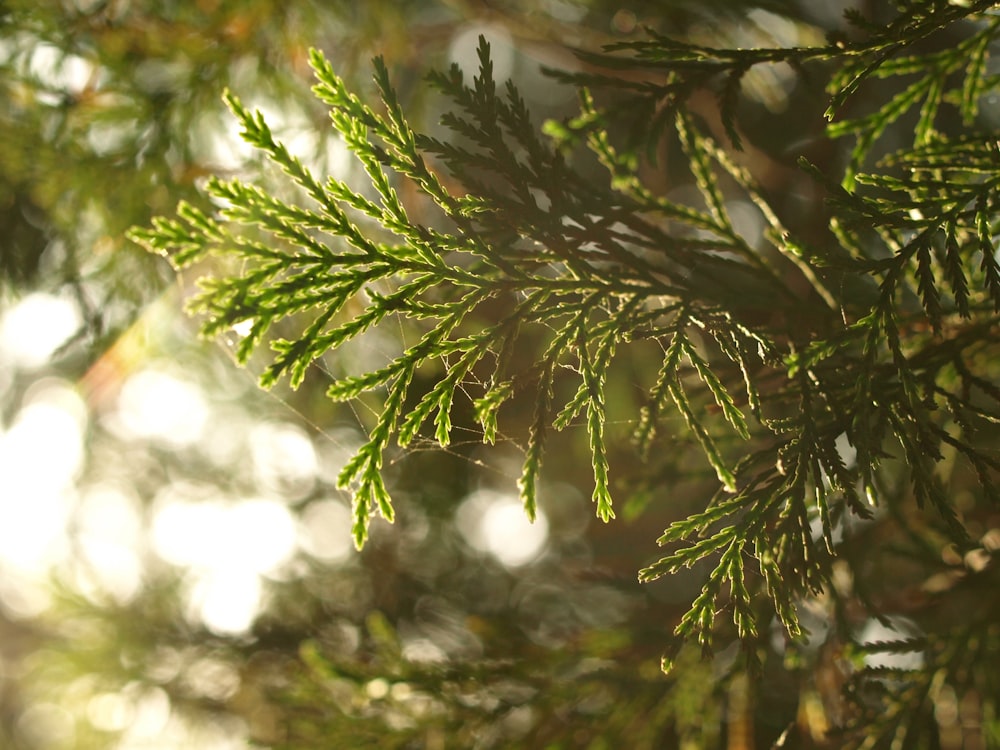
[
  {"x": 56, "y": 69},
  {"x": 462, "y": 50},
  {"x": 215, "y": 139},
  {"x": 40, "y": 457},
  {"x": 159, "y": 406},
  {"x": 898, "y": 628},
  {"x": 256, "y": 535},
  {"x": 325, "y": 531},
  {"x": 151, "y": 712},
  {"x": 226, "y": 600},
  {"x": 496, "y": 523},
  {"x": 110, "y": 540},
  {"x": 189, "y": 533},
  {"x": 284, "y": 459},
  {"x": 227, "y": 546},
  {"x": 260, "y": 535},
  {"x": 33, "y": 329},
  {"x": 110, "y": 712}
]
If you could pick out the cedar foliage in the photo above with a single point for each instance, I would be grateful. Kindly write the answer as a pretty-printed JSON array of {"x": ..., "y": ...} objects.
[{"x": 880, "y": 335}]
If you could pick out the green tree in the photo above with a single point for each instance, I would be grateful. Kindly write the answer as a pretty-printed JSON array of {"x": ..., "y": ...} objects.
[{"x": 753, "y": 278}]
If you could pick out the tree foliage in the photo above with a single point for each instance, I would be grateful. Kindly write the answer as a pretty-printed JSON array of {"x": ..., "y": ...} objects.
[{"x": 825, "y": 378}]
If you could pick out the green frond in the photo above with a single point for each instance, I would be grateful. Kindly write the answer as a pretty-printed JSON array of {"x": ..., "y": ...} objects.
[
  {"x": 954, "y": 269},
  {"x": 676, "y": 392},
  {"x": 257, "y": 133},
  {"x": 974, "y": 72},
  {"x": 528, "y": 483},
  {"x": 927, "y": 286},
  {"x": 729, "y": 409},
  {"x": 171, "y": 238},
  {"x": 989, "y": 265},
  {"x": 703, "y": 172},
  {"x": 869, "y": 129},
  {"x": 350, "y": 388},
  {"x": 365, "y": 466},
  {"x": 488, "y": 406}
]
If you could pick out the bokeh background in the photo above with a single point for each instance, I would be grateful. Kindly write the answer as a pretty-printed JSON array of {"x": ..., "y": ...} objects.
[{"x": 176, "y": 569}]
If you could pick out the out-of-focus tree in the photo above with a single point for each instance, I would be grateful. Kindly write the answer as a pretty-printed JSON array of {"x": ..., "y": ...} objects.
[{"x": 176, "y": 546}]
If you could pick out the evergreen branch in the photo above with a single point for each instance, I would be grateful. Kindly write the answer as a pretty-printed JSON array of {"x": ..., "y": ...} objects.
[
  {"x": 701, "y": 434},
  {"x": 956, "y": 273},
  {"x": 528, "y": 482},
  {"x": 694, "y": 149},
  {"x": 582, "y": 270},
  {"x": 257, "y": 133},
  {"x": 366, "y": 464},
  {"x": 732, "y": 414},
  {"x": 688, "y": 556},
  {"x": 646, "y": 428}
]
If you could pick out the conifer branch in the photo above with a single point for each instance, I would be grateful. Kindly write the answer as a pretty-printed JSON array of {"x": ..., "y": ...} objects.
[{"x": 757, "y": 376}]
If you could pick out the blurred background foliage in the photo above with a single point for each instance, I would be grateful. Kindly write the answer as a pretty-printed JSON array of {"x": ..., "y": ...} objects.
[{"x": 175, "y": 561}]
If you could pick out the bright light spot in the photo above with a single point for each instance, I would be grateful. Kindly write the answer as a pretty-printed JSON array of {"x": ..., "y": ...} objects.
[
  {"x": 108, "y": 513},
  {"x": 109, "y": 712},
  {"x": 227, "y": 600},
  {"x": 253, "y": 535},
  {"x": 40, "y": 456},
  {"x": 510, "y": 536},
  {"x": 747, "y": 220},
  {"x": 117, "y": 569},
  {"x": 223, "y": 441},
  {"x": 338, "y": 158},
  {"x": 496, "y": 523},
  {"x": 377, "y": 688},
  {"x": 156, "y": 405},
  {"x": 783, "y": 32},
  {"x": 109, "y": 539},
  {"x": 848, "y": 453},
  {"x": 105, "y": 138},
  {"x": 991, "y": 540},
  {"x": 339, "y": 445},
  {"x": 624, "y": 21},
  {"x": 44, "y": 446},
  {"x": 899, "y": 628},
  {"x": 190, "y": 533},
  {"x": 465, "y": 43},
  {"x": 152, "y": 724},
  {"x": 260, "y": 536},
  {"x": 222, "y": 733},
  {"x": 227, "y": 546},
  {"x": 424, "y": 651},
  {"x": 23, "y": 597},
  {"x": 325, "y": 531},
  {"x": 243, "y": 328},
  {"x": 562, "y": 10},
  {"x": 215, "y": 139},
  {"x": 32, "y": 330},
  {"x": 151, "y": 714},
  {"x": 58, "y": 70},
  {"x": 977, "y": 560},
  {"x": 401, "y": 691},
  {"x": 284, "y": 459}
]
